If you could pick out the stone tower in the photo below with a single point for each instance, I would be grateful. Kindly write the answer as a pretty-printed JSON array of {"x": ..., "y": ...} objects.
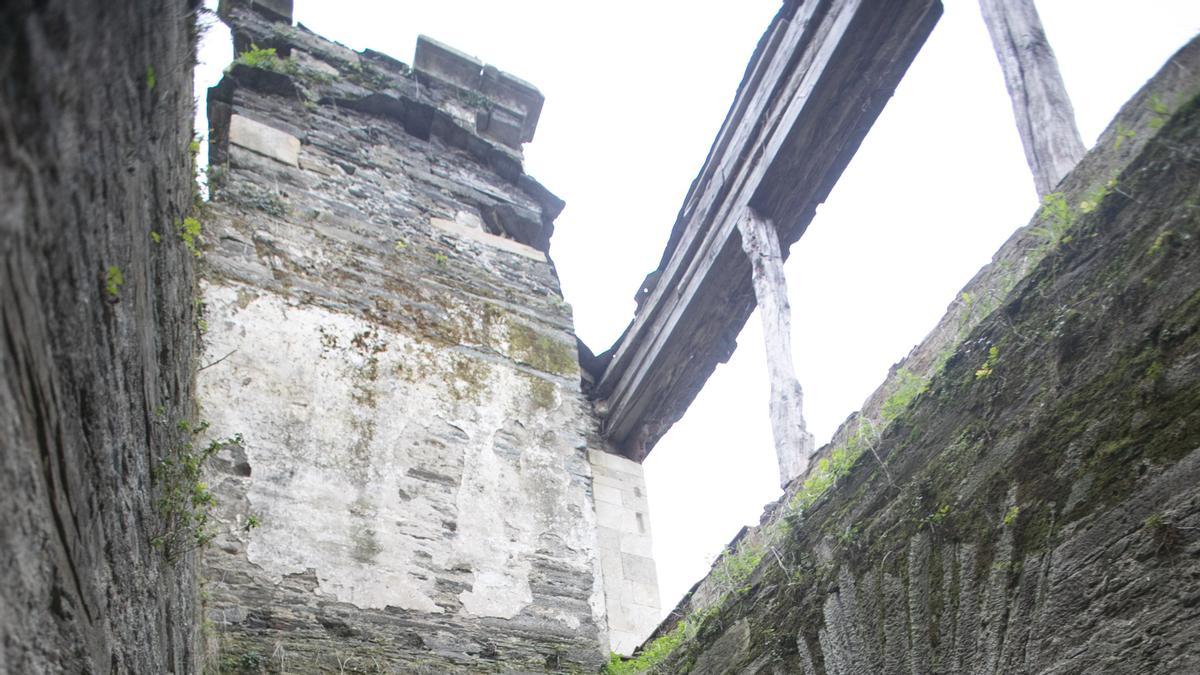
[{"x": 420, "y": 487}]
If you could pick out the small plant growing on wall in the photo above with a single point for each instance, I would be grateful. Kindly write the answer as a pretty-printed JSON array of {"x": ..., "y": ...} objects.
[
  {"x": 189, "y": 232},
  {"x": 989, "y": 365},
  {"x": 185, "y": 502},
  {"x": 114, "y": 278}
]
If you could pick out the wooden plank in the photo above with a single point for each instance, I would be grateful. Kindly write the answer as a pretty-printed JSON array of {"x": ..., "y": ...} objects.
[
  {"x": 1045, "y": 118},
  {"x": 819, "y": 78},
  {"x": 793, "y": 443}
]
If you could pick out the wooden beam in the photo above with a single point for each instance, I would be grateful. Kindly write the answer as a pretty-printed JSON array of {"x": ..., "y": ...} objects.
[
  {"x": 793, "y": 443},
  {"x": 818, "y": 80},
  {"x": 1045, "y": 118}
]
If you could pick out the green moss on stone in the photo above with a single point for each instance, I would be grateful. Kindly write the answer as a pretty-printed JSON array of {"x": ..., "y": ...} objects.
[
  {"x": 541, "y": 393},
  {"x": 540, "y": 351}
]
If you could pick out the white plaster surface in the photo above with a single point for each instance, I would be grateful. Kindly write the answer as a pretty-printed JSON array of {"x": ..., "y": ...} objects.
[{"x": 382, "y": 467}]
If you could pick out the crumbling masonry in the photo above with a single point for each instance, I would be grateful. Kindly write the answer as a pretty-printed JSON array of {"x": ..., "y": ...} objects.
[{"x": 386, "y": 331}]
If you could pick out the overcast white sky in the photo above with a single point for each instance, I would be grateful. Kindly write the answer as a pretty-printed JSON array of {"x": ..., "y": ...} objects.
[{"x": 635, "y": 92}]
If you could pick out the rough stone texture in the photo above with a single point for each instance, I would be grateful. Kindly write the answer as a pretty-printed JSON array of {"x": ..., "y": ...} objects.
[
  {"x": 95, "y": 122},
  {"x": 393, "y": 345},
  {"x": 1036, "y": 509},
  {"x": 625, "y": 547}
]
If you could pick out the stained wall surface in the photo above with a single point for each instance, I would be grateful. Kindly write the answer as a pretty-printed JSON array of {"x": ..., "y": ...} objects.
[{"x": 387, "y": 333}]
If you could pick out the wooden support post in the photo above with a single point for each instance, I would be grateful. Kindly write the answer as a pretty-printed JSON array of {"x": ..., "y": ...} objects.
[
  {"x": 1045, "y": 118},
  {"x": 817, "y": 81},
  {"x": 793, "y": 443}
]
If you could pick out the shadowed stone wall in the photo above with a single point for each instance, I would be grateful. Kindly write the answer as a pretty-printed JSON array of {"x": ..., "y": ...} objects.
[{"x": 96, "y": 332}]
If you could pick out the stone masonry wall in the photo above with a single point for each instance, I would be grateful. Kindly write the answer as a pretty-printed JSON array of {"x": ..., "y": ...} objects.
[
  {"x": 96, "y": 332},
  {"x": 386, "y": 331}
]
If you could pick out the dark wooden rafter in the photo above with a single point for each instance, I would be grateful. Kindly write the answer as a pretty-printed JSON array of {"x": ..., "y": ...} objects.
[{"x": 817, "y": 81}]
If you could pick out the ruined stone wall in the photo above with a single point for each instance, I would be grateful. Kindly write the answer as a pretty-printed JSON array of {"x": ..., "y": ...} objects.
[
  {"x": 386, "y": 332},
  {"x": 1034, "y": 509},
  {"x": 96, "y": 332}
]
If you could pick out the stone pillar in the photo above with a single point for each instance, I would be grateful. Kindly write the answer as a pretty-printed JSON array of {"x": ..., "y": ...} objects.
[{"x": 625, "y": 550}]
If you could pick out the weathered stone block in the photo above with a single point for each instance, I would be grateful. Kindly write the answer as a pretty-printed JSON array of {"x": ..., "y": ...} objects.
[
  {"x": 638, "y": 545},
  {"x": 604, "y": 493},
  {"x": 447, "y": 63},
  {"x": 502, "y": 125},
  {"x": 276, "y": 10},
  {"x": 474, "y": 234},
  {"x": 267, "y": 141},
  {"x": 639, "y": 568},
  {"x": 515, "y": 94},
  {"x": 614, "y": 516}
]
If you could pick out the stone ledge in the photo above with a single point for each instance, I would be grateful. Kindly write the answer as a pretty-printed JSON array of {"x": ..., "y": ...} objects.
[
  {"x": 488, "y": 239},
  {"x": 514, "y": 105}
]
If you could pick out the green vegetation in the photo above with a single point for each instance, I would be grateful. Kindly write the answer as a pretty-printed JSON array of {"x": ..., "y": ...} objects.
[
  {"x": 541, "y": 351},
  {"x": 252, "y": 522},
  {"x": 657, "y": 651},
  {"x": 908, "y": 387},
  {"x": 400, "y": 245},
  {"x": 1159, "y": 110},
  {"x": 151, "y": 78},
  {"x": 1011, "y": 516},
  {"x": 939, "y": 514},
  {"x": 189, "y": 231},
  {"x": 832, "y": 468},
  {"x": 1056, "y": 218},
  {"x": 989, "y": 365},
  {"x": 113, "y": 280},
  {"x": 848, "y": 535},
  {"x": 475, "y": 100},
  {"x": 264, "y": 58},
  {"x": 1161, "y": 239},
  {"x": 155, "y": 237},
  {"x": 1124, "y": 133},
  {"x": 185, "y": 503},
  {"x": 734, "y": 569},
  {"x": 199, "y": 307},
  {"x": 440, "y": 258}
]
